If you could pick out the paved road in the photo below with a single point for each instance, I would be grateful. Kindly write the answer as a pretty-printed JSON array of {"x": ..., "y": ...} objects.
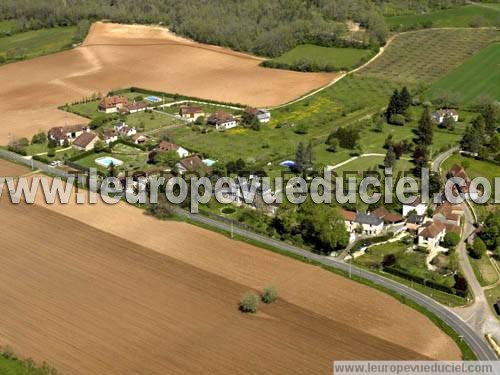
[
  {"x": 479, "y": 315},
  {"x": 436, "y": 163},
  {"x": 476, "y": 342}
]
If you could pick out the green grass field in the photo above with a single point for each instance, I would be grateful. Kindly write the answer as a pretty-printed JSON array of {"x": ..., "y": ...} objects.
[
  {"x": 422, "y": 57},
  {"x": 133, "y": 159},
  {"x": 412, "y": 261},
  {"x": 36, "y": 43},
  {"x": 145, "y": 121},
  {"x": 476, "y": 77},
  {"x": 484, "y": 271},
  {"x": 340, "y": 58},
  {"x": 475, "y": 168},
  {"x": 464, "y": 16}
]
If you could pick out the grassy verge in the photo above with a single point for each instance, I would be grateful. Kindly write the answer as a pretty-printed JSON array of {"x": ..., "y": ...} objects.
[
  {"x": 467, "y": 353},
  {"x": 474, "y": 168},
  {"x": 11, "y": 365}
]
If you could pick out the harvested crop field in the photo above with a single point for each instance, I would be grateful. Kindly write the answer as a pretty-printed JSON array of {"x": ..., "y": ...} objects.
[
  {"x": 119, "y": 292},
  {"x": 116, "y": 56},
  {"x": 8, "y": 169}
]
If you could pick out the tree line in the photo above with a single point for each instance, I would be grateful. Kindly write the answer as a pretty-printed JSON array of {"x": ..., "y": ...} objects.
[{"x": 257, "y": 26}]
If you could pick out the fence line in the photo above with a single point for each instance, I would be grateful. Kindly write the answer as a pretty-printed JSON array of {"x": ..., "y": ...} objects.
[{"x": 33, "y": 164}]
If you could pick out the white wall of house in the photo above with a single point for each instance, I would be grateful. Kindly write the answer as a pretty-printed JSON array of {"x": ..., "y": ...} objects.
[
  {"x": 226, "y": 125},
  {"x": 182, "y": 152},
  {"x": 192, "y": 118},
  {"x": 111, "y": 139},
  {"x": 431, "y": 242},
  {"x": 89, "y": 147},
  {"x": 372, "y": 230},
  {"x": 109, "y": 110}
]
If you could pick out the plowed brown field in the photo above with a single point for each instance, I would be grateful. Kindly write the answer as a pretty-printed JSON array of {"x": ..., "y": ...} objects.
[
  {"x": 105, "y": 289},
  {"x": 115, "y": 56},
  {"x": 8, "y": 169}
]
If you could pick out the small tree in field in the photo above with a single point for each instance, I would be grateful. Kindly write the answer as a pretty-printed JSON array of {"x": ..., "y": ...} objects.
[
  {"x": 270, "y": 294},
  {"x": 249, "y": 302}
]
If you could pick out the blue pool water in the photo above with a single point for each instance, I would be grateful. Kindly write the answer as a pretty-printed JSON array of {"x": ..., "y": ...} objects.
[
  {"x": 153, "y": 99},
  {"x": 106, "y": 161},
  {"x": 288, "y": 163}
]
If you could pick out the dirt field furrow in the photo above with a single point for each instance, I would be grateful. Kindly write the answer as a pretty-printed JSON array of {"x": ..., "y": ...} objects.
[
  {"x": 107, "y": 289},
  {"x": 90, "y": 302}
]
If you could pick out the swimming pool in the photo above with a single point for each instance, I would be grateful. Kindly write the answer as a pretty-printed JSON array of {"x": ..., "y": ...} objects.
[
  {"x": 288, "y": 163},
  {"x": 153, "y": 99},
  {"x": 106, "y": 161}
]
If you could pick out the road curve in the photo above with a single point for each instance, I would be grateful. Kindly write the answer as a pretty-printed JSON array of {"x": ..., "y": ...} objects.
[{"x": 476, "y": 342}]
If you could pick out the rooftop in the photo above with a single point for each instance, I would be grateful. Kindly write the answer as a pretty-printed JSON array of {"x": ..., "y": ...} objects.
[
  {"x": 367, "y": 219},
  {"x": 84, "y": 139},
  {"x": 433, "y": 230}
]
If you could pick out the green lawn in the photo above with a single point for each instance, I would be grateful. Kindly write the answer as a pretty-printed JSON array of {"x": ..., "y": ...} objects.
[
  {"x": 464, "y": 16},
  {"x": 87, "y": 109},
  {"x": 145, "y": 121},
  {"x": 373, "y": 163},
  {"x": 339, "y": 58},
  {"x": 484, "y": 271},
  {"x": 375, "y": 254},
  {"x": 478, "y": 76},
  {"x": 35, "y": 43},
  {"x": 133, "y": 159},
  {"x": 412, "y": 261},
  {"x": 207, "y": 108},
  {"x": 475, "y": 168},
  {"x": 422, "y": 57}
]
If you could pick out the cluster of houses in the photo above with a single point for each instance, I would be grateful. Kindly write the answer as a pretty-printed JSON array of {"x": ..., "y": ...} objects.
[
  {"x": 117, "y": 103},
  {"x": 82, "y": 138},
  {"x": 430, "y": 229},
  {"x": 221, "y": 120}
]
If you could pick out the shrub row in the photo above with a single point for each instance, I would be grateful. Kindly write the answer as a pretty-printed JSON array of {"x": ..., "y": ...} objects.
[
  {"x": 303, "y": 66},
  {"x": 420, "y": 280}
]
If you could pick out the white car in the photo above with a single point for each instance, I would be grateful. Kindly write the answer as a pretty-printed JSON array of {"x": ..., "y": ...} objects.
[{"x": 56, "y": 163}]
